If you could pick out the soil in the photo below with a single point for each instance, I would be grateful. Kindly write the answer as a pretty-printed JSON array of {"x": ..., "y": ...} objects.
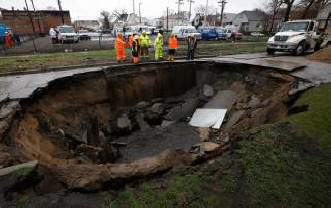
[
  {"x": 72, "y": 126},
  {"x": 322, "y": 55}
]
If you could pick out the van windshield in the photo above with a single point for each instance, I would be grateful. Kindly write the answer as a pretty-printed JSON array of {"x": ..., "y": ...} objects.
[
  {"x": 295, "y": 27},
  {"x": 66, "y": 30}
]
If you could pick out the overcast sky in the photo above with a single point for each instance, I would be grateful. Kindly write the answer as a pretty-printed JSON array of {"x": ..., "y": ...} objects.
[{"x": 90, "y": 9}]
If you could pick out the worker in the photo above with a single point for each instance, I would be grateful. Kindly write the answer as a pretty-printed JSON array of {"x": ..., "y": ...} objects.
[
  {"x": 158, "y": 46},
  {"x": 9, "y": 40},
  {"x": 52, "y": 34},
  {"x": 135, "y": 49},
  {"x": 145, "y": 43},
  {"x": 191, "y": 47},
  {"x": 120, "y": 48},
  {"x": 172, "y": 47},
  {"x": 132, "y": 37}
]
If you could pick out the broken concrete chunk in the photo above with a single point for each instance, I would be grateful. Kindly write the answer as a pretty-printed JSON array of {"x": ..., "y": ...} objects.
[
  {"x": 158, "y": 108},
  {"x": 142, "y": 104},
  {"x": 189, "y": 107},
  {"x": 30, "y": 165},
  {"x": 143, "y": 125},
  {"x": 174, "y": 114},
  {"x": 207, "y": 90},
  {"x": 203, "y": 117},
  {"x": 124, "y": 122},
  {"x": 9, "y": 109},
  {"x": 166, "y": 123},
  {"x": 224, "y": 99},
  {"x": 234, "y": 118}
]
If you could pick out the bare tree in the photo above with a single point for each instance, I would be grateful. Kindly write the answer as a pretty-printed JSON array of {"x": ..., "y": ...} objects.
[
  {"x": 105, "y": 19},
  {"x": 119, "y": 14},
  {"x": 273, "y": 7},
  {"x": 316, "y": 5},
  {"x": 289, "y": 6}
]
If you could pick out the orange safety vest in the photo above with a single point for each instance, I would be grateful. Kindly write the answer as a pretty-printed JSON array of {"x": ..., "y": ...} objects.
[
  {"x": 172, "y": 43},
  {"x": 119, "y": 48},
  {"x": 131, "y": 40}
]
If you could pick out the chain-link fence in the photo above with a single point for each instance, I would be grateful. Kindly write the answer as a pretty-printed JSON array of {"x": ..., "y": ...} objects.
[{"x": 29, "y": 45}]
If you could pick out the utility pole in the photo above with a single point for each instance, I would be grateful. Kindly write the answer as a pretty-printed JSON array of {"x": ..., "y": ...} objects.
[
  {"x": 179, "y": 2},
  {"x": 133, "y": 6},
  {"x": 167, "y": 19},
  {"x": 38, "y": 16},
  {"x": 60, "y": 9},
  {"x": 206, "y": 13},
  {"x": 222, "y": 4},
  {"x": 33, "y": 29},
  {"x": 190, "y": 11},
  {"x": 139, "y": 12}
]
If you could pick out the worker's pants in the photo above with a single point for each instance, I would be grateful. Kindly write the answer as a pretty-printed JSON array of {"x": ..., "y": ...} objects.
[
  {"x": 158, "y": 53},
  {"x": 190, "y": 54}
]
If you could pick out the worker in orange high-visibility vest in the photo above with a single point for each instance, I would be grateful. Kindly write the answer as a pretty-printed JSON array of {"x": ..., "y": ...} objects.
[
  {"x": 120, "y": 48},
  {"x": 132, "y": 38},
  {"x": 172, "y": 47}
]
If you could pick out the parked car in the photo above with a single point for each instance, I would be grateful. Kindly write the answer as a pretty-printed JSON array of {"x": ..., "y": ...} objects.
[
  {"x": 3, "y": 30},
  {"x": 209, "y": 33},
  {"x": 237, "y": 35},
  {"x": 183, "y": 32},
  {"x": 84, "y": 35},
  {"x": 295, "y": 36},
  {"x": 67, "y": 34},
  {"x": 257, "y": 34}
]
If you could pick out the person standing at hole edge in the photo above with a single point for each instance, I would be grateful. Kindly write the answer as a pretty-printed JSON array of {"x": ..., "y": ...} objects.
[
  {"x": 172, "y": 47},
  {"x": 9, "y": 40},
  {"x": 191, "y": 47},
  {"x": 145, "y": 43},
  {"x": 120, "y": 48},
  {"x": 135, "y": 49},
  {"x": 158, "y": 44}
]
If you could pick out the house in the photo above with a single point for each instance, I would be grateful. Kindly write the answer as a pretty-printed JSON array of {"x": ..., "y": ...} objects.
[
  {"x": 249, "y": 21},
  {"x": 228, "y": 19},
  {"x": 86, "y": 24},
  {"x": 43, "y": 20}
]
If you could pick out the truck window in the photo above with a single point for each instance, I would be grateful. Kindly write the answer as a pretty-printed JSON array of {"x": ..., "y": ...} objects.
[{"x": 311, "y": 26}]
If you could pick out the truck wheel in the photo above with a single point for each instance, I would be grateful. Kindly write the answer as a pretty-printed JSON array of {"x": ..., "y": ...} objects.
[
  {"x": 270, "y": 51},
  {"x": 300, "y": 49}
]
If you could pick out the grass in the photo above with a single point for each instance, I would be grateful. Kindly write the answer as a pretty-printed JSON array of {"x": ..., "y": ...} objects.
[
  {"x": 277, "y": 165},
  {"x": 44, "y": 61},
  {"x": 20, "y": 173},
  {"x": 315, "y": 123}
]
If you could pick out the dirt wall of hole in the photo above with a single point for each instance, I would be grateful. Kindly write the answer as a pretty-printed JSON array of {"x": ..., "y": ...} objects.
[{"x": 60, "y": 113}]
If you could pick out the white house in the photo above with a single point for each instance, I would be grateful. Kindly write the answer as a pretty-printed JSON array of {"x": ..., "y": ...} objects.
[{"x": 249, "y": 21}]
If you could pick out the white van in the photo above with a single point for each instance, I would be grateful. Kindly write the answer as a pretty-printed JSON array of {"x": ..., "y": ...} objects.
[{"x": 183, "y": 32}]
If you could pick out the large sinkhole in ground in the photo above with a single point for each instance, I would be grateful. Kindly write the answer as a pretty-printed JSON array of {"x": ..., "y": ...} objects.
[{"x": 126, "y": 113}]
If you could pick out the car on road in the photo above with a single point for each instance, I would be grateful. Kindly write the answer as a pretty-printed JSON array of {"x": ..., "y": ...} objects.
[
  {"x": 257, "y": 34},
  {"x": 295, "y": 36},
  {"x": 183, "y": 32},
  {"x": 84, "y": 35},
  {"x": 211, "y": 33},
  {"x": 67, "y": 33}
]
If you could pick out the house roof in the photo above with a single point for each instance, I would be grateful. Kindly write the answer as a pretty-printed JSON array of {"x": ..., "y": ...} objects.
[
  {"x": 253, "y": 15},
  {"x": 228, "y": 17}
]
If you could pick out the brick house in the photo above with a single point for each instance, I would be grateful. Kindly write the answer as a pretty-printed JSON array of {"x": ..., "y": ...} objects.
[{"x": 43, "y": 20}]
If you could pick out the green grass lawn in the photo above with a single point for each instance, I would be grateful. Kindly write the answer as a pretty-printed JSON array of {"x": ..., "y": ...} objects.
[
  {"x": 44, "y": 61},
  {"x": 286, "y": 164}
]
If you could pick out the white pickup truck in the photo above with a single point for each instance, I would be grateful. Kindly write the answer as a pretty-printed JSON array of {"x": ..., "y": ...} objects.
[
  {"x": 67, "y": 34},
  {"x": 295, "y": 36}
]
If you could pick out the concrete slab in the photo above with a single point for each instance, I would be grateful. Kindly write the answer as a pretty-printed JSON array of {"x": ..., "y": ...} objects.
[{"x": 222, "y": 100}]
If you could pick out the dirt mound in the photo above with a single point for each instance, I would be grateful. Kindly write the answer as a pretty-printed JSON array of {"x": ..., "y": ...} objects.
[{"x": 322, "y": 55}]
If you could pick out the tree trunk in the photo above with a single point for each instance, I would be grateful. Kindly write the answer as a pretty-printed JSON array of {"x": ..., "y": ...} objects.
[
  {"x": 307, "y": 9},
  {"x": 288, "y": 11}
]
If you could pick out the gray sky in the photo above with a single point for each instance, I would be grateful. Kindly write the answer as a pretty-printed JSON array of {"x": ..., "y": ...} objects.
[{"x": 90, "y": 9}]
